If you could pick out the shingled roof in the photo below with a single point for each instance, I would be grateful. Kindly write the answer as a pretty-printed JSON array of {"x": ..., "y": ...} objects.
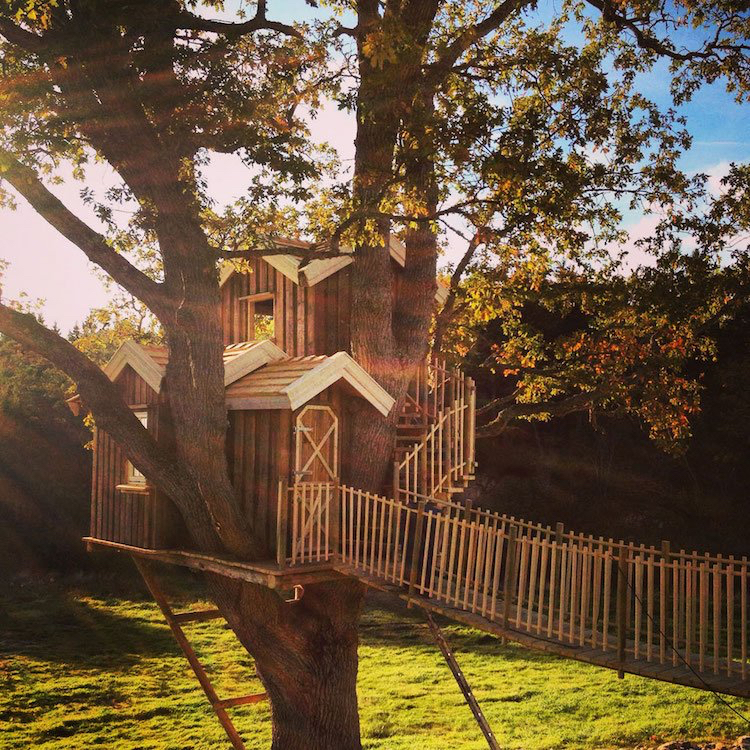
[
  {"x": 150, "y": 361},
  {"x": 290, "y": 383}
]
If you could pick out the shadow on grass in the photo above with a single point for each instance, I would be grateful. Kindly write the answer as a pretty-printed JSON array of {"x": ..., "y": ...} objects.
[
  {"x": 387, "y": 623},
  {"x": 51, "y": 624}
]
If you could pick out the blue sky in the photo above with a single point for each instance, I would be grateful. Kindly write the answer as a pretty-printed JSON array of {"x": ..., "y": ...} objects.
[{"x": 44, "y": 265}]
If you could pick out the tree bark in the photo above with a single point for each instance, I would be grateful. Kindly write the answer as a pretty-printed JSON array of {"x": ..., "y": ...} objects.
[{"x": 306, "y": 657}]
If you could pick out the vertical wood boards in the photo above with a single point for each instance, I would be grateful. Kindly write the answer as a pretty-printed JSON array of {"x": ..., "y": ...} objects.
[
  {"x": 259, "y": 448},
  {"x": 140, "y": 518},
  {"x": 307, "y": 320}
]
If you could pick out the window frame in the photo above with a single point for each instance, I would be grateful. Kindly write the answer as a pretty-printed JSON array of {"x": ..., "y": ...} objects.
[
  {"x": 250, "y": 301},
  {"x": 133, "y": 477}
]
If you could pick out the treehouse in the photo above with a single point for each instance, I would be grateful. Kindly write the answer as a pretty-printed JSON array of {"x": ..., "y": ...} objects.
[
  {"x": 292, "y": 393},
  {"x": 288, "y": 418},
  {"x": 292, "y": 390}
]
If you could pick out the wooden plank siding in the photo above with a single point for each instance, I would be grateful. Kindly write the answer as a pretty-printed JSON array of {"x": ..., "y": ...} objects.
[
  {"x": 261, "y": 451},
  {"x": 258, "y": 453},
  {"x": 307, "y": 320},
  {"x": 144, "y": 518}
]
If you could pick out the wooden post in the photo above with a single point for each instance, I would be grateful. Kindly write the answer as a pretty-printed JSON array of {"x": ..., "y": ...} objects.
[
  {"x": 666, "y": 558},
  {"x": 509, "y": 579},
  {"x": 416, "y": 553},
  {"x": 396, "y": 472},
  {"x": 622, "y": 590},
  {"x": 334, "y": 529},
  {"x": 282, "y": 515},
  {"x": 559, "y": 532}
]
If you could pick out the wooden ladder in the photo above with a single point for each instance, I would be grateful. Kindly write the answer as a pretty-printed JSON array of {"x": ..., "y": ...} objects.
[
  {"x": 175, "y": 621},
  {"x": 450, "y": 658}
]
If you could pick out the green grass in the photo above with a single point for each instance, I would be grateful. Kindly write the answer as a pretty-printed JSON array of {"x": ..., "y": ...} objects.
[{"x": 80, "y": 670}]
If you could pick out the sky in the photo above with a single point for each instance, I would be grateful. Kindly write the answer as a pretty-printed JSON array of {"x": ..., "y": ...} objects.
[{"x": 45, "y": 266}]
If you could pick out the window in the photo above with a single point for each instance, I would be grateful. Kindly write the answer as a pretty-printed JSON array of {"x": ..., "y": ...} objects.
[
  {"x": 260, "y": 318},
  {"x": 133, "y": 476}
]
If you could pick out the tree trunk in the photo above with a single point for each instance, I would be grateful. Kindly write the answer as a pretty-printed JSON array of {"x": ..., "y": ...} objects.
[{"x": 306, "y": 656}]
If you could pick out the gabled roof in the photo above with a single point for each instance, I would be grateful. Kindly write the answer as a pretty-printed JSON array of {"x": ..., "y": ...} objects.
[
  {"x": 290, "y": 383},
  {"x": 147, "y": 361},
  {"x": 316, "y": 270},
  {"x": 150, "y": 361},
  {"x": 259, "y": 375},
  {"x": 240, "y": 359}
]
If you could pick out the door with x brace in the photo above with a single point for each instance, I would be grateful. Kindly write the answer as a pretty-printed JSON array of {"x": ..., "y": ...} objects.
[{"x": 317, "y": 445}]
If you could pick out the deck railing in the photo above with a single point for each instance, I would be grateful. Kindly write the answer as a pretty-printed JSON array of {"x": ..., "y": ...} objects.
[
  {"x": 307, "y": 522},
  {"x": 633, "y": 602}
]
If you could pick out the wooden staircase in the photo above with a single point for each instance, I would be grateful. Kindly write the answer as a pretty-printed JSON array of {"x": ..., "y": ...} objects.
[{"x": 434, "y": 455}]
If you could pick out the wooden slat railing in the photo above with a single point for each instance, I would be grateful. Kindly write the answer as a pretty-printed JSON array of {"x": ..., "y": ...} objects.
[
  {"x": 311, "y": 536},
  {"x": 627, "y": 601},
  {"x": 443, "y": 459}
]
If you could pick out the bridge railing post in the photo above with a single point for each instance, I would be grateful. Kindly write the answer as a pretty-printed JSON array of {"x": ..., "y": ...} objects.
[
  {"x": 622, "y": 590},
  {"x": 509, "y": 579},
  {"x": 666, "y": 559},
  {"x": 334, "y": 524},
  {"x": 282, "y": 523},
  {"x": 416, "y": 553}
]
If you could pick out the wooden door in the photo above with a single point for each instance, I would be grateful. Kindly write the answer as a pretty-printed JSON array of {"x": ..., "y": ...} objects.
[{"x": 316, "y": 445}]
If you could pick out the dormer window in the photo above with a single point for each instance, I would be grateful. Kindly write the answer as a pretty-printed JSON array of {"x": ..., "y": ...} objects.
[
  {"x": 133, "y": 476},
  {"x": 260, "y": 316}
]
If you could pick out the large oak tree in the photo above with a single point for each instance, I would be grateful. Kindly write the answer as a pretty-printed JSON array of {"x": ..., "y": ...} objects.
[{"x": 484, "y": 113}]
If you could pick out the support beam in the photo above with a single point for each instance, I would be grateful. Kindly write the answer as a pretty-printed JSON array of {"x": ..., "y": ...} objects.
[{"x": 445, "y": 650}]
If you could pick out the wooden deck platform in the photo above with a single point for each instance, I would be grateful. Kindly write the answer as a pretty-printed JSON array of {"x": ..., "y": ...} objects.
[{"x": 264, "y": 573}]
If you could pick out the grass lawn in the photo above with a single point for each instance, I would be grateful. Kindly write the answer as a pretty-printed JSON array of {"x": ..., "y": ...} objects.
[{"x": 82, "y": 668}]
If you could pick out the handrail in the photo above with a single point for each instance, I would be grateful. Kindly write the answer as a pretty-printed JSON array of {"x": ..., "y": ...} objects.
[{"x": 444, "y": 401}]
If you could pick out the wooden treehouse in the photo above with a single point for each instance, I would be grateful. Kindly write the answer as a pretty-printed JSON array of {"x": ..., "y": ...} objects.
[{"x": 292, "y": 391}]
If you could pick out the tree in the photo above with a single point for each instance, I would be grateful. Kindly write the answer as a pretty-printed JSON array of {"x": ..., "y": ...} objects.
[
  {"x": 39, "y": 520},
  {"x": 153, "y": 87},
  {"x": 610, "y": 342}
]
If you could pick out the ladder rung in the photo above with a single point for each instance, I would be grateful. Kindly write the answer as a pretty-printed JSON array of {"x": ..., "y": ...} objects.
[
  {"x": 198, "y": 615},
  {"x": 241, "y": 701}
]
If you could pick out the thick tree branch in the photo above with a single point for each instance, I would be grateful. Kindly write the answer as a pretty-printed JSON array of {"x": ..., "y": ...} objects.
[
  {"x": 470, "y": 35},
  {"x": 258, "y": 22},
  {"x": 94, "y": 246},
  {"x": 314, "y": 252},
  {"x": 112, "y": 415},
  {"x": 563, "y": 407},
  {"x": 20, "y": 37}
]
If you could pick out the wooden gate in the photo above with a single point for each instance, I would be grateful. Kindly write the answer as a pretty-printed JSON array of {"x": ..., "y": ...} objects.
[
  {"x": 316, "y": 445},
  {"x": 314, "y": 521}
]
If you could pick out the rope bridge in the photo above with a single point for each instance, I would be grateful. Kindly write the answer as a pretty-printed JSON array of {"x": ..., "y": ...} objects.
[{"x": 667, "y": 614}]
